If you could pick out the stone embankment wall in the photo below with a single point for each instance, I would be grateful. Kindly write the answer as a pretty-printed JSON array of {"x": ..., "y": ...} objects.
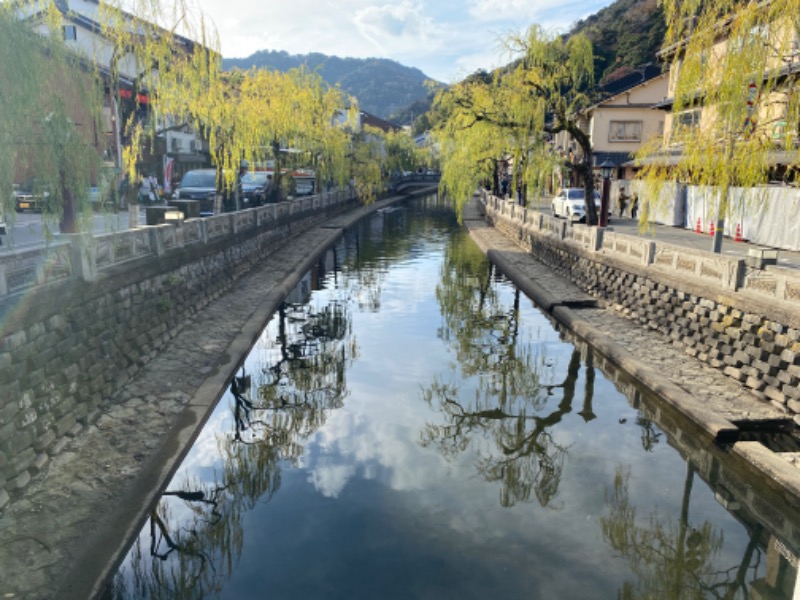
[
  {"x": 737, "y": 315},
  {"x": 79, "y": 319}
]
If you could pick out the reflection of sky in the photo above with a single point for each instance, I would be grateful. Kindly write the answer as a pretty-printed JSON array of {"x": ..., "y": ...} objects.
[{"x": 369, "y": 512}]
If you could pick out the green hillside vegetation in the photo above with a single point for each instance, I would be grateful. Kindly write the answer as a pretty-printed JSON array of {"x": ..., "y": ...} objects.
[
  {"x": 383, "y": 87},
  {"x": 625, "y": 35}
]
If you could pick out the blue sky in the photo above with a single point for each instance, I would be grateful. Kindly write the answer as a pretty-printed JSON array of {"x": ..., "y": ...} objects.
[{"x": 445, "y": 39}]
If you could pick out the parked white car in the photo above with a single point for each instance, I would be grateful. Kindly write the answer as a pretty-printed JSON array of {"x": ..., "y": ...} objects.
[{"x": 568, "y": 203}]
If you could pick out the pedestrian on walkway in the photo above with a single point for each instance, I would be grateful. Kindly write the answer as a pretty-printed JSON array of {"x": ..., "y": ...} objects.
[
  {"x": 622, "y": 201},
  {"x": 634, "y": 205}
]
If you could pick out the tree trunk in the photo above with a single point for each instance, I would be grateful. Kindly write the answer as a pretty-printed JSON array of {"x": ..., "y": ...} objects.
[{"x": 68, "y": 222}]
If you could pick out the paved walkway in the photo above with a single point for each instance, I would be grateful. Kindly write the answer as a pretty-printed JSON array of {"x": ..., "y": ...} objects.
[
  {"x": 98, "y": 489},
  {"x": 687, "y": 238}
]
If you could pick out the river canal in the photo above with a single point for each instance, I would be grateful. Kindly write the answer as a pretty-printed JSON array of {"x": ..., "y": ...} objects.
[{"x": 409, "y": 425}]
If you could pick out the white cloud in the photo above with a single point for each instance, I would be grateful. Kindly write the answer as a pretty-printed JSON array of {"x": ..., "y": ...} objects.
[
  {"x": 497, "y": 10},
  {"x": 446, "y": 40},
  {"x": 399, "y": 29}
]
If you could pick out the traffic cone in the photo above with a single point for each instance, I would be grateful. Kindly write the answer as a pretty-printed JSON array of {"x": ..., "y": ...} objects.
[
  {"x": 699, "y": 227},
  {"x": 738, "y": 236},
  {"x": 711, "y": 230}
]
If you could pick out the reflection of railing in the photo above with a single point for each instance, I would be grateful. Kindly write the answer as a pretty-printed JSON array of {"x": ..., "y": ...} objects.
[{"x": 86, "y": 257}]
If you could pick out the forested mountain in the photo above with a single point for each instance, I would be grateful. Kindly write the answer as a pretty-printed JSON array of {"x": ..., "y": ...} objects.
[
  {"x": 383, "y": 87},
  {"x": 625, "y": 35}
]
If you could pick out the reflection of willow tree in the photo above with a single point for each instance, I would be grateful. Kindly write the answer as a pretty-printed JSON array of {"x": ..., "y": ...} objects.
[
  {"x": 511, "y": 400},
  {"x": 196, "y": 532},
  {"x": 672, "y": 560},
  {"x": 306, "y": 379}
]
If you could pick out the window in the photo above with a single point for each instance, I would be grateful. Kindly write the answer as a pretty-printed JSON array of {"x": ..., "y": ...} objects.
[
  {"x": 688, "y": 119},
  {"x": 683, "y": 123},
  {"x": 625, "y": 131},
  {"x": 70, "y": 33}
]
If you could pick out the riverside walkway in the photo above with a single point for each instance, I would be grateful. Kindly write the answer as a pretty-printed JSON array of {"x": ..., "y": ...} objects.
[{"x": 63, "y": 537}]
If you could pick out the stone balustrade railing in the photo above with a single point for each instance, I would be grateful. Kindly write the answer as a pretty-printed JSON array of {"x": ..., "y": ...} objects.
[
  {"x": 87, "y": 257},
  {"x": 728, "y": 273},
  {"x": 738, "y": 315}
]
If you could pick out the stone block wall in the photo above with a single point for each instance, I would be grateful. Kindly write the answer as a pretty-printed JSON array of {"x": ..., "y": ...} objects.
[
  {"x": 751, "y": 339},
  {"x": 70, "y": 345}
]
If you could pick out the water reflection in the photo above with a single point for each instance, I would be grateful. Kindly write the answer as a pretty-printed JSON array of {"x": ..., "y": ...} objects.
[
  {"x": 670, "y": 559},
  {"x": 402, "y": 387},
  {"x": 196, "y": 531},
  {"x": 676, "y": 557},
  {"x": 514, "y": 401}
]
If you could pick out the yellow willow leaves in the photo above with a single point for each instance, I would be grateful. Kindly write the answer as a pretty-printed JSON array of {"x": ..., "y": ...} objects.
[
  {"x": 49, "y": 122},
  {"x": 510, "y": 114},
  {"x": 735, "y": 113},
  {"x": 245, "y": 115},
  {"x": 402, "y": 154}
]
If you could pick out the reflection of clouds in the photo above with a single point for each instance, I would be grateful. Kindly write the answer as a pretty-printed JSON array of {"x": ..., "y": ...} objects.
[
  {"x": 367, "y": 440},
  {"x": 204, "y": 455},
  {"x": 330, "y": 481}
]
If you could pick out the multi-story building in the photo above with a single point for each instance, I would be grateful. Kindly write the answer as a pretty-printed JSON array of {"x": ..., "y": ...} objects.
[
  {"x": 177, "y": 147},
  {"x": 731, "y": 126},
  {"x": 621, "y": 122}
]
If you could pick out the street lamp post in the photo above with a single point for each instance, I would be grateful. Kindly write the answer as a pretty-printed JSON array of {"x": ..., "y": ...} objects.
[{"x": 606, "y": 168}]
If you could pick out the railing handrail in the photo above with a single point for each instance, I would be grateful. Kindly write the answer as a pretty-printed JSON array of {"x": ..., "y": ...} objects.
[{"x": 87, "y": 256}]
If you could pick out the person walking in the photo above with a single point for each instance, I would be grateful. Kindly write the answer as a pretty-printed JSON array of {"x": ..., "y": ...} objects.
[
  {"x": 622, "y": 201},
  {"x": 634, "y": 205}
]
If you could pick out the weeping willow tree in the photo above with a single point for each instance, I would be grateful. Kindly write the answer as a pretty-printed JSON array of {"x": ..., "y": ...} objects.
[
  {"x": 512, "y": 114},
  {"x": 250, "y": 115},
  {"x": 258, "y": 114},
  {"x": 736, "y": 111},
  {"x": 367, "y": 159},
  {"x": 245, "y": 115},
  {"x": 402, "y": 154},
  {"x": 49, "y": 124}
]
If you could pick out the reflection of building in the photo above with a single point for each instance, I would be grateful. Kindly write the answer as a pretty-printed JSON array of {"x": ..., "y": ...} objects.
[
  {"x": 301, "y": 293},
  {"x": 781, "y": 579}
]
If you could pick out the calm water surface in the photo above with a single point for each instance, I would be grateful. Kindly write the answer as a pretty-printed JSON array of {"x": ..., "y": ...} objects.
[{"x": 410, "y": 426}]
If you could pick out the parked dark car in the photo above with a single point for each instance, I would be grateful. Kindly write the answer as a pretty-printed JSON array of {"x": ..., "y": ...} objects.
[
  {"x": 255, "y": 188},
  {"x": 27, "y": 196},
  {"x": 200, "y": 185}
]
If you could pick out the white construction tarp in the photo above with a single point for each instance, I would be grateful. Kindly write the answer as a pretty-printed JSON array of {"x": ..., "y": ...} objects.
[{"x": 768, "y": 216}]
